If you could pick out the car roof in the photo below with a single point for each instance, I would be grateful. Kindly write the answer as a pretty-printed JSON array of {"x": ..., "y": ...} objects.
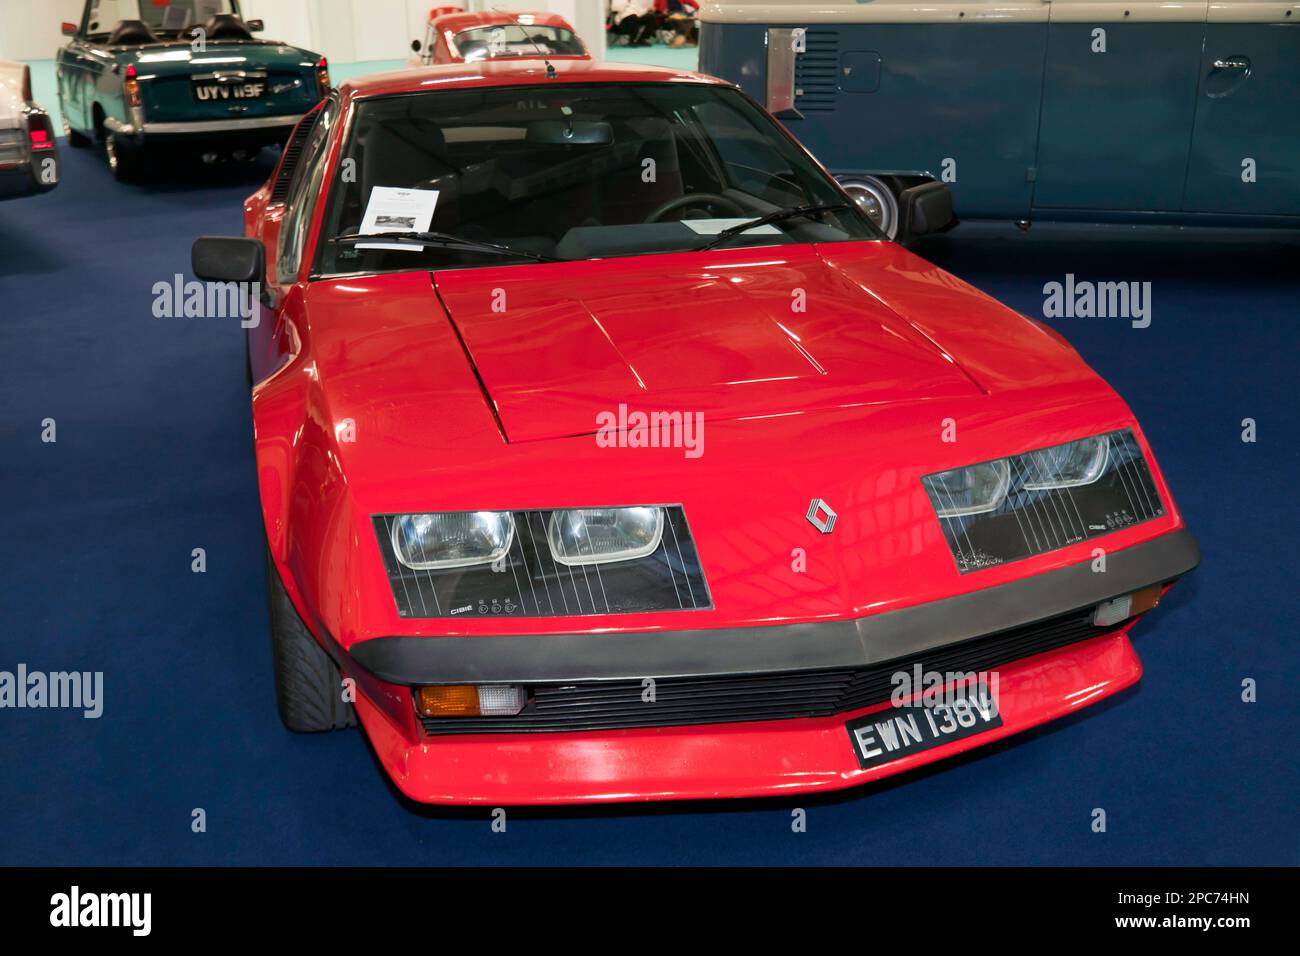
[
  {"x": 487, "y": 18},
  {"x": 514, "y": 72}
]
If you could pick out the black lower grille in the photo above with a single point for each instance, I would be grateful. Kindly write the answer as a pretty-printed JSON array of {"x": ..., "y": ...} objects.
[{"x": 608, "y": 705}]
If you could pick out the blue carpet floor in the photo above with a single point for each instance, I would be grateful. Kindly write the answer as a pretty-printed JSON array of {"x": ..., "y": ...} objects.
[{"x": 152, "y": 459}]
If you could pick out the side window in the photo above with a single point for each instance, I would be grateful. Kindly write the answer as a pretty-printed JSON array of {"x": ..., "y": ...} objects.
[
  {"x": 303, "y": 190},
  {"x": 751, "y": 161}
]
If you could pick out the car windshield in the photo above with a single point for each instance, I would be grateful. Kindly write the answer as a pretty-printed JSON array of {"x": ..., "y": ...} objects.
[
  {"x": 517, "y": 40},
  {"x": 570, "y": 172},
  {"x": 162, "y": 16}
]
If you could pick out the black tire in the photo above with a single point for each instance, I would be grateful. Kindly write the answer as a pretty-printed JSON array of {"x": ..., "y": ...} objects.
[
  {"x": 126, "y": 164},
  {"x": 308, "y": 685},
  {"x": 75, "y": 139}
]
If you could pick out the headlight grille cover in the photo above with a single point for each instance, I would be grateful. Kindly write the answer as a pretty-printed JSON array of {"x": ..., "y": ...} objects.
[
  {"x": 1034, "y": 520},
  {"x": 529, "y": 582}
]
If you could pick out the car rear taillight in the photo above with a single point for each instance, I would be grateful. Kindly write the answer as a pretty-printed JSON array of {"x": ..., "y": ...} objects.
[
  {"x": 40, "y": 132},
  {"x": 132, "y": 88},
  {"x": 323, "y": 76}
]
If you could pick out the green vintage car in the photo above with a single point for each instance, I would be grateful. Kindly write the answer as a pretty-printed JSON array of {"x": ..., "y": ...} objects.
[{"x": 139, "y": 74}]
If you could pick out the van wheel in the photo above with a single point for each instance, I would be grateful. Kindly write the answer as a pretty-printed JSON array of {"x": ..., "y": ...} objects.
[
  {"x": 878, "y": 198},
  {"x": 308, "y": 684}
]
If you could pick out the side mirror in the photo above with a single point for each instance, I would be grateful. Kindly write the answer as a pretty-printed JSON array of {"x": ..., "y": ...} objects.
[
  {"x": 68, "y": 29},
  {"x": 227, "y": 259},
  {"x": 923, "y": 211},
  {"x": 415, "y": 46},
  {"x": 255, "y": 26}
]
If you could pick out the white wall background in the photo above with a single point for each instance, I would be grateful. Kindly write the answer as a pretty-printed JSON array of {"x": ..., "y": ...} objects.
[{"x": 346, "y": 31}]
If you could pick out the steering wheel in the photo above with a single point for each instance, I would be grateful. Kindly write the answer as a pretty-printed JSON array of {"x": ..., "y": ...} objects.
[{"x": 694, "y": 199}]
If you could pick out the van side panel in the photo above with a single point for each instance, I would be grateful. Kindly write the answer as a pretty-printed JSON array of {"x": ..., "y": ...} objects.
[
  {"x": 1247, "y": 109},
  {"x": 1117, "y": 114},
  {"x": 958, "y": 102}
]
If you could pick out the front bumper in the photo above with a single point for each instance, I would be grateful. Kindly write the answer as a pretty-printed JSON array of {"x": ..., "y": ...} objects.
[
  {"x": 724, "y": 760},
  {"x": 761, "y": 757},
  {"x": 826, "y": 645}
]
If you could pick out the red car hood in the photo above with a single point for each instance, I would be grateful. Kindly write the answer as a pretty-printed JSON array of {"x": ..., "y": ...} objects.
[
  {"x": 758, "y": 333},
  {"x": 379, "y": 411}
]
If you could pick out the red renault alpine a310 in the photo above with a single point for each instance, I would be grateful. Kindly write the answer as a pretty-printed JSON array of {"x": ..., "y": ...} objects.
[{"x": 607, "y": 452}]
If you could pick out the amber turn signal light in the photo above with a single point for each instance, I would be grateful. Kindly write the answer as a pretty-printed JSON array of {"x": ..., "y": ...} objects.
[
  {"x": 460, "y": 700},
  {"x": 471, "y": 700},
  {"x": 1145, "y": 600}
]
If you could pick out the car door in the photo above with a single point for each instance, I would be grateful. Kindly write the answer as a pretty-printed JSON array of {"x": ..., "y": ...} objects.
[
  {"x": 76, "y": 77},
  {"x": 269, "y": 340},
  {"x": 1245, "y": 155},
  {"x": 1119, "y": 94}
]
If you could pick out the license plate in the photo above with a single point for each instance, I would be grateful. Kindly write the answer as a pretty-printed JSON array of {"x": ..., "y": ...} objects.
[
  {"x": 889, "y": 734},
  {"x": 220, "y": 92}
]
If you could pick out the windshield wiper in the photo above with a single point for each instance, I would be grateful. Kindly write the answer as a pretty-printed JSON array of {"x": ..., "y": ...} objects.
[
  {"x": 780, "y": 215},
  {"x": 446, "y": 240}
]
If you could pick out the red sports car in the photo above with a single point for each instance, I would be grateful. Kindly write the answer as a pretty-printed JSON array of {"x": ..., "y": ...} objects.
[
  {"x": 454, "y": 36},
  {"x": 607, "y": 452}
]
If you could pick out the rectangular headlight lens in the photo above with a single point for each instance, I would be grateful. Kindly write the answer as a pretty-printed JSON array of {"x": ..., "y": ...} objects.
[
  {"x": 542, "y": 563},
  {"x": 1070, "y": 465},
  {"x": 600, "y": 535},
  {"x": 969, "y": 491},
  {"x": 451, "y": 539},
  {"x": 1049, "y": 498}
]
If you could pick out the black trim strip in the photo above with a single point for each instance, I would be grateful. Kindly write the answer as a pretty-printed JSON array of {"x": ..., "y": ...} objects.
[{"x": 704, "y": 652}]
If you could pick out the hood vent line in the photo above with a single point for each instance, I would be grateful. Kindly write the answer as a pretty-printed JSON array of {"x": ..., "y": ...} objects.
[{"x": 487, "y": 398}]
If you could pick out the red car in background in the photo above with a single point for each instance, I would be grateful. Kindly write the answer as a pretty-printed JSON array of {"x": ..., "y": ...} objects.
[
  {"x": 606, "y": 451},
  {"x": 454, "y": 36}
]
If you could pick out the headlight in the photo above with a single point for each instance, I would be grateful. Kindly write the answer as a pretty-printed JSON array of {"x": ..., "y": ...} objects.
[
  {"x": 1066, "y": 466},
  {"x": 969, "y": 491},
  {"x": 600, "y": 535},
  {"x": 541, "y": 563},
  {"x": 452, "y": 539},
  {"x": 1049, "y": 498}
]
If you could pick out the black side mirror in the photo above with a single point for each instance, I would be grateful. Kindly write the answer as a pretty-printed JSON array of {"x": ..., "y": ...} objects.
[
  {"x": 415, "y": 46},
  {"x": 255, "y": 26},
  {"x": 227, "y": 259},
  {"x": 923, "y": 211}
]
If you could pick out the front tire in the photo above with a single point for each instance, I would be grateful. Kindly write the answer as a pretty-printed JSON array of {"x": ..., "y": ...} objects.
[{"x": 308, "y": 684}]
